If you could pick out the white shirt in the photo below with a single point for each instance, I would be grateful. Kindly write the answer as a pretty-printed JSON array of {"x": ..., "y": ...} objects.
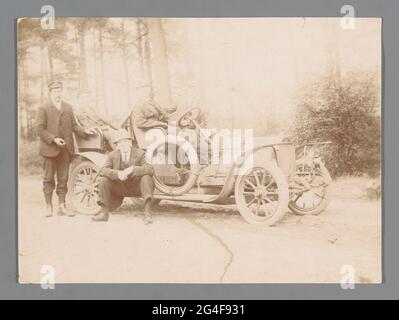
[{"x": 126, "y": 156}]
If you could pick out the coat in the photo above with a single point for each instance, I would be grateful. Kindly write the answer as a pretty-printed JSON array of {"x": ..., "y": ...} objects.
[
  {"x": 113, "y": 164},
  {"x": 53, "y": 123},
  {"x": 150, "y": 115}
]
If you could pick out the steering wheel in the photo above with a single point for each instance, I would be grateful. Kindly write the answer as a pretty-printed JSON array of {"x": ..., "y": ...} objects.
[{"x": 189, "y": 119}]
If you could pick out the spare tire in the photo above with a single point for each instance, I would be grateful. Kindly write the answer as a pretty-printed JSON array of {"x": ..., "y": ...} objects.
[{"x": 170, "y": 161}]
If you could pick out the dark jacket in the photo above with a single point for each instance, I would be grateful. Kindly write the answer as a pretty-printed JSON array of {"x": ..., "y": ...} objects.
[
  {"x": 52, "y": 123},
  {"x": 114, "y": 164},
  {"x": 150, "y": 115}
]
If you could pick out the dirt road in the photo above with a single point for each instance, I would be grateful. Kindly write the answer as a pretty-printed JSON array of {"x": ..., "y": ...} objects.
[{"x": 199, "y": 244}]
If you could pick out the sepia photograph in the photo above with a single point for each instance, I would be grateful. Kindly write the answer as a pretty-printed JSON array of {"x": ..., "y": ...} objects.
[{"x": 199, "y": 150}]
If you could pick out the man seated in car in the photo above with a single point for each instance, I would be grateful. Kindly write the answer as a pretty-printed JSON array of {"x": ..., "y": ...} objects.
[{"x": 150, "y": 115}]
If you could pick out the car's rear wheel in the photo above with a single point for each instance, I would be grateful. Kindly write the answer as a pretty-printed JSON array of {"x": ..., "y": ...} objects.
[{"x": 316, "y": 199}]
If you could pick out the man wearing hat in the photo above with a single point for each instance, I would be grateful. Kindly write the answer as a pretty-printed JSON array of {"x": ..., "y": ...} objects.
[
  {"x": 55, "y": 123},
  {"x": 124, "y": 174}
]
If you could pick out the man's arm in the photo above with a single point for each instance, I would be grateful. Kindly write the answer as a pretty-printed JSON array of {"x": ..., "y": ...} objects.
[
  {"x": 150, "y": 123},
  {"x": 108, "y": 171},
  {"x": 146, "y": 118},
  {"x": 143, "y": 169},
  {"x": 77, "y": 129},
  {"x": 166, "y": 112},
  {"x": 41, "y": 126}
]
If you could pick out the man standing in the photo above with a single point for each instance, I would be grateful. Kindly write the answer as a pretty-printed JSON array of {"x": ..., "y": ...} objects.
[
  {"x": 125, "y": 174},
  {"x": 55, "y": 123}
]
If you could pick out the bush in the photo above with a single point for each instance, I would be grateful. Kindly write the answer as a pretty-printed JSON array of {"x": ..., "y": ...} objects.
[{"x": 347, "y": 113}]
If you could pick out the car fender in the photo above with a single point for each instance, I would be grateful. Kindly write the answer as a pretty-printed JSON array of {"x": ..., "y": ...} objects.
[
  {"x": 254, "y": 157},
  {"x": 97, "y": 158},
  {"x": 243, "y": 163}
]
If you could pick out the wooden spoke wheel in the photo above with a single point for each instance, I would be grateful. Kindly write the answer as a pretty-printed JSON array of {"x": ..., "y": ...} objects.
[
  {"x": 83, "y": 188},
  {"x": 317, "y": 198},
  {"x": 262, "y": 194}
]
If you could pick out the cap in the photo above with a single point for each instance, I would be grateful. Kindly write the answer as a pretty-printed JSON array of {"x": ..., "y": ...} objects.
[
  {"x": 55, "y": 85},
  {"x": 120, "y": 135}
]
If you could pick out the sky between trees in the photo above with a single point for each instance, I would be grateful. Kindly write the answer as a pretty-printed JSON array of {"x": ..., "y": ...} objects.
[{"x": 239, "y": 70}]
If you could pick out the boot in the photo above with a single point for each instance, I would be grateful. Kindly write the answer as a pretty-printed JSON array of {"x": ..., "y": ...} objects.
[
  {"x": 147, "y": 212},
  {"x": 102, "y": 216},
  {"x": 49, "y": 211},
  {"x": 147, "y": 218},
  {"x": 49, "y": 205},
  {"x": 63, "y": 211}
]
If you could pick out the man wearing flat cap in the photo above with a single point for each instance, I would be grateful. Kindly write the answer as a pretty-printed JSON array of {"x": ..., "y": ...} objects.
[
  {"x": 125, "y": 174},
  {"x": 55, "y": 123}
]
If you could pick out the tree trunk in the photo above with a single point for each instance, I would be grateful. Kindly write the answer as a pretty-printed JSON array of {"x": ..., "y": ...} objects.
[
  {"x": 100, "y": 38},
  {"x": 148, "y": 65},
  {"x": 50, "y": 60},
  {"x": 332, "y": 52},
  {"x": 49, "y": 55},
  {"x": 83, "y": 81},
  {"x": 43, "y": 76},
  {"x": 139, "y": 45},
  {"x": 22, "y": 95},
  {"x": 160, "y": 64},
  {"x": 97, "y": 103},
  {"x": 126, "y": 66},
  {"x": 27, "y": 109}
]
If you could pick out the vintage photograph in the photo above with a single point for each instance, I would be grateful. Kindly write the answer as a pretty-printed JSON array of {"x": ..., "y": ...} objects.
[{"x": 199, "y": 150}]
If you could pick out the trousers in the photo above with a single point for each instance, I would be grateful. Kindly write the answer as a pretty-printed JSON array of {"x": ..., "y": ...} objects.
[
  {"x": 57, "y": 166},
  {"x": 112, "y": 192}
]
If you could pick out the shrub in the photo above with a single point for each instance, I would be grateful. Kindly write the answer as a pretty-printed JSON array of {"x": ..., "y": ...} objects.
[
  {"x": 347, "y": 113},
  {"x": 30, "y": 162}
]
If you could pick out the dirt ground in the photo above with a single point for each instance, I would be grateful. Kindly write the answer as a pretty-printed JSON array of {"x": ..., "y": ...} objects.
[{"x": 201, "y": 244}]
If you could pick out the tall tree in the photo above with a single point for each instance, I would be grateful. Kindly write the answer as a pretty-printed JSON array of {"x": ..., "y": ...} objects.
[
  {"x": 160, "y": 63},
  {"x": 148, "y": 61},
  {"x": 43, "y": 78},
  {"x": 22, "y": 91},
  {"x": 95, "y": 59},
  {"x": 81, "y": 27},
  {"x": 101, "y": 49},
  {"x": 140, "y": 38},
  {"x": 125, "y": 63},
  {"x": 31, "y": 34}
]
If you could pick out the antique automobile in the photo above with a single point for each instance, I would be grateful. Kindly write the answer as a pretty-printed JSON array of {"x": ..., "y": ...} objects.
[{"x": 262, "y": 183}]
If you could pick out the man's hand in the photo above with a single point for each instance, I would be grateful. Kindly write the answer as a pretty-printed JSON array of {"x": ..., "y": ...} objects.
[
  {"x": 122, "y": 175},
  {"x": 59, "y": 142},
  {"x": 128, "y": 171},
  {"x": 90, "y": 131},
  {"x": 149, "y": 170}
]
